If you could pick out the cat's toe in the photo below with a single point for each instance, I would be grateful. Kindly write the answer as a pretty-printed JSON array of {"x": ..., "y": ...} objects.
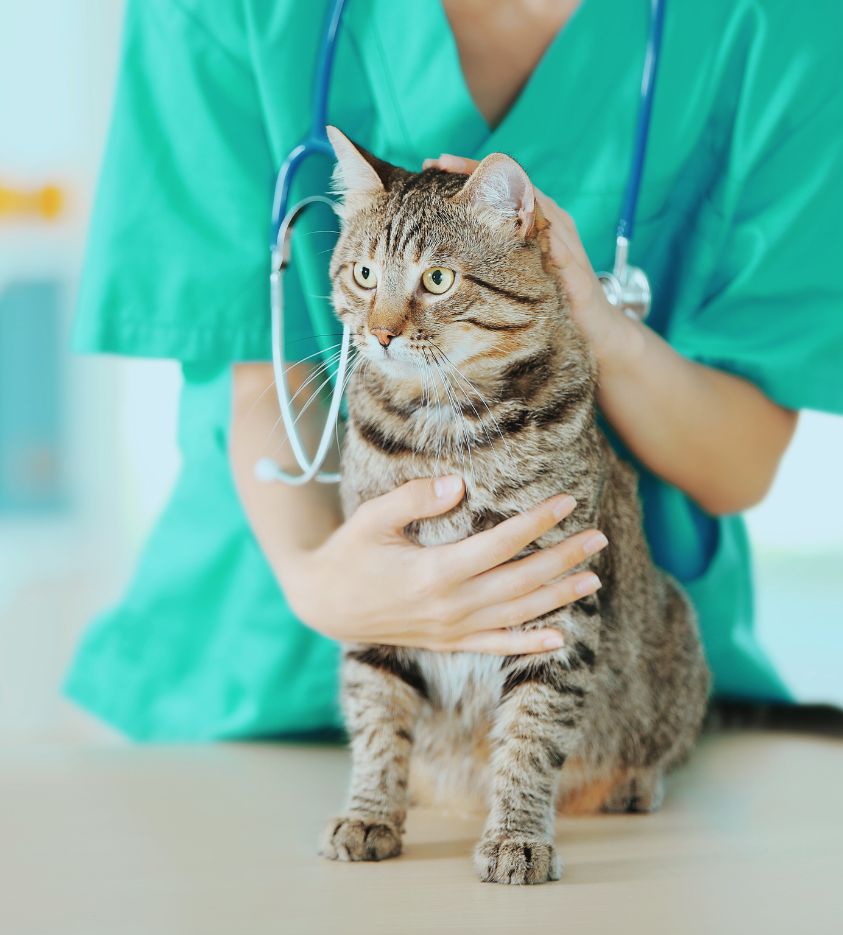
[
  {"x": 353, "y": 838},
  {"x": 517, "y": 861}
]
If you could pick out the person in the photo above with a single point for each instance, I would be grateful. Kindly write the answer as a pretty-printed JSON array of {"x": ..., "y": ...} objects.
[{"x": 228, "y": 628}]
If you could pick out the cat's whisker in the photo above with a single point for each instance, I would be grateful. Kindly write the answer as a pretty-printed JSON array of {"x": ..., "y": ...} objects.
[
  {"x": 461, "y": 421},
  {"x": 441, "y": 433},
  {"x": 482, "y": 398},
  {"x": 427, "y": 397},
  {"x": 452, "y": 399},
  {"x": 319, "y": 353},
  {"x": 325, "y": 365},
  {"x": 287, "y": 370},
  {"x": 461, "y": 389},
  {"x": 454, "y": 441},
  {"x": 313, "y": 376},
  {"x": 352, "y": 367},
  {"x": 463, "y": 381},
  {"x": 315, "y": 395},
  {"x": 471, "y": 386}
]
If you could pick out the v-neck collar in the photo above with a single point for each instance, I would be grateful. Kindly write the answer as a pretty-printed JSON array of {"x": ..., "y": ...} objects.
[
  {"x": 535, "y": 78},
  {"x": 425, "y": 101}
]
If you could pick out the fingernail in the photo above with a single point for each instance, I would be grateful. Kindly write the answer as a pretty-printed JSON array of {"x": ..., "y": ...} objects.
[
  {"x": 553, "y": 642},
  {"x": 428, "y": 163},
  {"x": 587, "y": 585},
  {"x": 561, "y": 508},
  {"x": 595, "y": 543},
  {"x": 445, "y": 487}
]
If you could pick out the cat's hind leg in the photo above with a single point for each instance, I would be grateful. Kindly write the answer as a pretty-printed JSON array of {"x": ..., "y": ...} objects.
[
  {"x": 383, "y": 692},
  {"x": 640, "y": 790}
]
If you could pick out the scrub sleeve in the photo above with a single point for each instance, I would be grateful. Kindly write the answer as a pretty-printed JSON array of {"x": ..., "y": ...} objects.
[{"x": 203, "y": 643}]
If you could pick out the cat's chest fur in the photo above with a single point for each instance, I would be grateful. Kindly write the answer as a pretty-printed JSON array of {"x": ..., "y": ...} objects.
[{"x": 503, "y": 475}]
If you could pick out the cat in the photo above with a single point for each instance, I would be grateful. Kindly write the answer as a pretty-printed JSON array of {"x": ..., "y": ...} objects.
[{"x": 447, "y": 281}]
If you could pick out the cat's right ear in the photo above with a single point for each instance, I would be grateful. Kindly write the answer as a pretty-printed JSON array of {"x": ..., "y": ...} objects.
[
  {"x": 358, "y": 175},
  {"x": 500, "y": 188}
]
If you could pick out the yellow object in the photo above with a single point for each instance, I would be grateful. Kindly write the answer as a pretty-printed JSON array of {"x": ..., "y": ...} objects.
[{"x": 46, "y": 202}]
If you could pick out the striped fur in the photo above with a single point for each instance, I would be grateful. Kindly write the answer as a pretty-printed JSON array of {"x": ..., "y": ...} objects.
[{"x": 494, "y": 382}]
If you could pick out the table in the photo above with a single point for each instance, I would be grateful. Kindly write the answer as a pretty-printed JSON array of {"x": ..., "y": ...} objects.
[{"x": 118, "y": 840}]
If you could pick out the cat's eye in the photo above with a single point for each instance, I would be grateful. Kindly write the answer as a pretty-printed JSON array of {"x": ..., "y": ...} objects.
[
  {"x": 364, "y": 276},
  {"x": 438, "y": 279}
]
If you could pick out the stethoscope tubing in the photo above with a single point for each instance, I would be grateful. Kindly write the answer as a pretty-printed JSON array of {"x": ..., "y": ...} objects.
[
  {"x": 266, "y": 468},
  {"x": 283, "y": 221},
  {"x": 316, "y": 142},
  {"x": 652, "y": 57}
]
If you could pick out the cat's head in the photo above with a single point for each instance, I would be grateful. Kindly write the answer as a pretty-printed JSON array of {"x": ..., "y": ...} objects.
[{"x": 434, "y": 263}]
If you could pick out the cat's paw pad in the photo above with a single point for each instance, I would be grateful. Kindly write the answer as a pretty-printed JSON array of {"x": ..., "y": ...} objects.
[
  {"x": 517, "y": 860},
  {"x": 351, "y": 838}
]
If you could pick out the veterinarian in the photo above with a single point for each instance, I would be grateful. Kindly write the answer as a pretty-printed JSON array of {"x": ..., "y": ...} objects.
[{"x": 228, "y": 626}]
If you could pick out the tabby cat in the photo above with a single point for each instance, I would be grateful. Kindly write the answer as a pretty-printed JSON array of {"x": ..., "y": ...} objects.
[{"x": 471, "y": 364}]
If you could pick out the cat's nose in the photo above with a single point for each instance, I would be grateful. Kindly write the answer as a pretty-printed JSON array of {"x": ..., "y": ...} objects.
[{"x": 384, "y": 335}]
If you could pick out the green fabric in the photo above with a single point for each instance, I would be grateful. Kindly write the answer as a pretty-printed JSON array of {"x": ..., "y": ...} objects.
[{"x": 737, "y": 227}]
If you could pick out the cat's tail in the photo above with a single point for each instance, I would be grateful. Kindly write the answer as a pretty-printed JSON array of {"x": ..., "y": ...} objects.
[{"x": 732, "y": 714}]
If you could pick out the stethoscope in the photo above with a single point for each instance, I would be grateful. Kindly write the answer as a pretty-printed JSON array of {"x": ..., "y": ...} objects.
[{"x": 627, "y": 287}]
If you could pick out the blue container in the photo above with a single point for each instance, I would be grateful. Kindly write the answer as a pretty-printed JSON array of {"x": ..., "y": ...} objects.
[{"x": 31, "y": 409}]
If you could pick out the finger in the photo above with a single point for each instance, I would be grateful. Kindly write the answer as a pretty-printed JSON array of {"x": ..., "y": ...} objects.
[
  {"x": 543, "y": 600},
  {"x": 525, "y": 575},
  {"x": 509, "y": 642},
  {"x": 450, "y": 163},
  {"x": 416, "y": 499},
  {"x": 485, "y": 550}
]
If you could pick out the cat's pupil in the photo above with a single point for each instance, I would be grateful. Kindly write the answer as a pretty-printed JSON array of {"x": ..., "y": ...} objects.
[
  {"x": 364, "y": 272},
  {"x": 436, "y": 276}
]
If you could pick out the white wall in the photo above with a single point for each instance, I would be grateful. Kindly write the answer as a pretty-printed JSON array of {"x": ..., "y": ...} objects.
[{"x": 57, "y": 65}]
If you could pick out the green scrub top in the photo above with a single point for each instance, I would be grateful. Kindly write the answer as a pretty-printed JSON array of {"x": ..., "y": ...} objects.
[{"x": 738, "y": 227}]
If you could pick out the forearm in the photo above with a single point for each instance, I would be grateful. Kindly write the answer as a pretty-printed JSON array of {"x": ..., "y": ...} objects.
[
  {"x": 712, "y": 434},
  {"x": 286, "y": 520}
]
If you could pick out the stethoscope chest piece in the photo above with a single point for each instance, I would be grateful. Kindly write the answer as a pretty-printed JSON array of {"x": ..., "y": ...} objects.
[{"x": 627, "y": 287}]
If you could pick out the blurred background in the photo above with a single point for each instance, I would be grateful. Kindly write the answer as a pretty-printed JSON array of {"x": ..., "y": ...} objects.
[{"x": 87, "y": 445}]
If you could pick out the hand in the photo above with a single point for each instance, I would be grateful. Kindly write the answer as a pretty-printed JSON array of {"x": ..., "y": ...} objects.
[
  {"x": 368, "y": 583},
  {"x": 609, "y": 332}
]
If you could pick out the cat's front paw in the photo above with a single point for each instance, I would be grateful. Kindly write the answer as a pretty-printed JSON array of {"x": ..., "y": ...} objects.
[
  {"x": 360, "y": 838},
  {"x": 517, "y": 860}
]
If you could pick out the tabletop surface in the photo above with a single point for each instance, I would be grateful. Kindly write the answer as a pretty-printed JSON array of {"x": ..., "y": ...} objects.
[{"x": 222, "y": 839}]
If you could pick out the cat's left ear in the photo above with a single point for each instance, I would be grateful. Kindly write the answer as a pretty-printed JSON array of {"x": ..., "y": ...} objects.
[
  {"x": 358, "y": 175},
  {"x": 500, "y": 186}
]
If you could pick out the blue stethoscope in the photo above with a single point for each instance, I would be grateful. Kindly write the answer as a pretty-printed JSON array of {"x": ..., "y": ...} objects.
[{"x": 627, "y": 287}]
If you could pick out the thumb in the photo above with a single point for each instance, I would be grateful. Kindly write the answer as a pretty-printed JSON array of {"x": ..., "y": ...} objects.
[{"x": 416, "y": 499}]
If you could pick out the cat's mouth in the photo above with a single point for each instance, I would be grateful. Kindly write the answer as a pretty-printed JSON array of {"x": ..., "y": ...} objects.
[{"x": 394, "y": 355}]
